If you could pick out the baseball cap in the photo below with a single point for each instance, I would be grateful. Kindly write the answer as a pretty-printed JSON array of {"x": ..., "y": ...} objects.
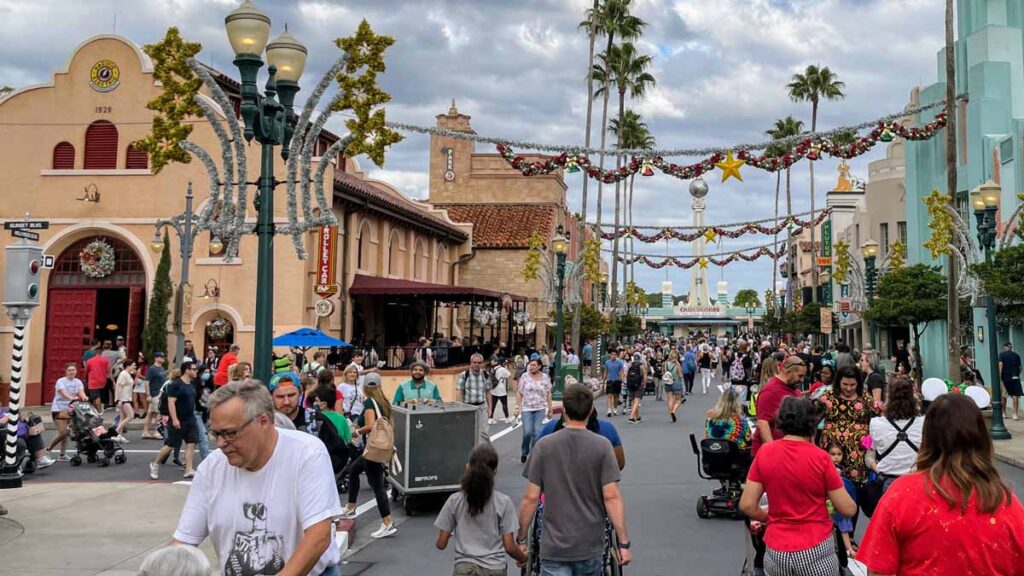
[{"x": 159, "y": 354}]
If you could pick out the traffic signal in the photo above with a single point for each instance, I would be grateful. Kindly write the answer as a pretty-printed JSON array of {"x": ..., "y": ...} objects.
[{"x": 21, "y": 275}]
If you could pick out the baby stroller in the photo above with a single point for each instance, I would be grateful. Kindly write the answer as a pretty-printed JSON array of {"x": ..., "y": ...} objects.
[
  {"x": 92, "y": 439},
  {"x": 721, "y": 460}
]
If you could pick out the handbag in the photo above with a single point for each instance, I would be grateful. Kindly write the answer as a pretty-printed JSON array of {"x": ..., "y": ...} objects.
[{"x": 380, "y": 442}]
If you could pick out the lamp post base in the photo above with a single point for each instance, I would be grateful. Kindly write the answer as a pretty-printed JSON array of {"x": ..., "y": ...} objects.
[{"x": 10, "y": 478}]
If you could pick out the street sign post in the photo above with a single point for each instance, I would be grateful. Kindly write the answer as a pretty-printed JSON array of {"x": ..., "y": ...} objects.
[
  {"x": 26, "y": 225},
  {"x": 25, "y": 233}
]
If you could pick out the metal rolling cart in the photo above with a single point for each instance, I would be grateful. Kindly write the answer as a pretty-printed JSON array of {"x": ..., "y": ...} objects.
[{"x": 433, "y": 442}]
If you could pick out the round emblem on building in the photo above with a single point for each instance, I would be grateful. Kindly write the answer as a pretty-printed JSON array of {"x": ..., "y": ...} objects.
[
  {"x": 449, "y": 176},
  {"x": 104, "y": 76},
  {"x": 323, "y": 308}
]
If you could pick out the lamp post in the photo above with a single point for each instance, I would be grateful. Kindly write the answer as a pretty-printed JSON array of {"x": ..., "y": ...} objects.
[
  {"x": 270, "y": 119},
  {"x": 870, "y": 251},
  {"x": 560, "y": 245},
  {"x": 985, "y": 199},
  {"x": 186, "y": 226}
]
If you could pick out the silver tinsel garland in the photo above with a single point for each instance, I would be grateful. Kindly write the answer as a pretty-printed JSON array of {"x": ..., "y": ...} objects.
[
  {"x": 705, "y": 226},
  {"x": 664, "y": 153},
  {"x": 716, "y": 254}
]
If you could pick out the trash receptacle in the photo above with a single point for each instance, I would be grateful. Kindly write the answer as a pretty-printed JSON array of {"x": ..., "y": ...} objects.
[{"x": 558, "y": 387}]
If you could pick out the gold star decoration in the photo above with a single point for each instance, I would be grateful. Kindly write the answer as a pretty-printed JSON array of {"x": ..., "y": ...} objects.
[
  {"x": 710, "y": 236},
  {"x": 703, "y": 262},
  {"x": 730, "y": 167}
]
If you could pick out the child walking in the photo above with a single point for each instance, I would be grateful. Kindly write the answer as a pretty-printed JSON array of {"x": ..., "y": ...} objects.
[
  {"x": 482, "y": 520},
  {"x": 843, "y": 524}
]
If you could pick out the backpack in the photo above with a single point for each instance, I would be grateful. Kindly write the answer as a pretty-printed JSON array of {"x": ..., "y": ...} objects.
[
  {"x": 380, "y": 442},
  {"x": 164, "y": 408},
  {"x": 736, "y": 371},
  {"x": 635, "y": 376}
]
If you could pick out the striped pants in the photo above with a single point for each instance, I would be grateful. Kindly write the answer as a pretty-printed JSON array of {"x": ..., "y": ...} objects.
[{"x": 818, "y": 561}]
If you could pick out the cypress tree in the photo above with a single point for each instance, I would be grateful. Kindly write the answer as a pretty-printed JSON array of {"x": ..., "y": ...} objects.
[{"x": 154, "y": 336}]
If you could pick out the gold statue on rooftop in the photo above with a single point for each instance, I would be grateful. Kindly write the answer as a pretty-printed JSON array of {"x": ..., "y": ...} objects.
[{"x": 843, "y": 184}]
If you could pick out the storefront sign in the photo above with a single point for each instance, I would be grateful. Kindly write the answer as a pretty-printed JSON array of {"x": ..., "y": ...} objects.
[
  {"x": 700, "y": 311},
  {"x": 325, "y": 284},
  {"x": 826, "y": 321},
  {"x": 323, "y": 308},
  {"x": 449, "y": 163},
  {"x": 104, "y": 76},
  {"x": 825, "y": 262}
]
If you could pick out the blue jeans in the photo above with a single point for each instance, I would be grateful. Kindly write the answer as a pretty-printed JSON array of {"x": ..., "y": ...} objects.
[
  {"x": 590, "y": 567},
  {"x": 204, "y": 440},
  {"x": 532, "y": 424},
  {"x": 332, "y": 570}
]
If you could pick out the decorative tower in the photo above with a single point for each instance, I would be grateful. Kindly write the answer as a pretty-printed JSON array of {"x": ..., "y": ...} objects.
[
  {"x": 699, "y": 295},
  {"x": 723, "y": 293},
  {"x": 666, "y": 294}
]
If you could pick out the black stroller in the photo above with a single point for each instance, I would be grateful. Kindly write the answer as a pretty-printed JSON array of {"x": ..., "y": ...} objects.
[
  {"x": 721, "y": 460},
  {"x": 93, "y": 439}
]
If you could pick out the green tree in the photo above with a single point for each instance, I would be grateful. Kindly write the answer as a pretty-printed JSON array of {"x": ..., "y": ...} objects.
[
  {"x": 813, "y": 85},
  {"x": 636, "y": 135},
  {"x": 1001, "y": 279},
  {"x": 911, "y": 296},
  {"x": 154, "y": 335},
  {"x": 625, "y": 326},
  {"x": 653, "y": 300},
  {"x": 5, "y": 90},
  {"x": 784, "y": 128},
  {"x": 806, "y": 320},
  {"x": 747, "y": 297},
  {"x": 592, "y": 323}
]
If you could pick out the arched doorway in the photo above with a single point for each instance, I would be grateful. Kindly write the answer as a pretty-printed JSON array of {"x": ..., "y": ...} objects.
[
  {"x": 81, "y": 309},
  {"x": 218, "y": 333}
]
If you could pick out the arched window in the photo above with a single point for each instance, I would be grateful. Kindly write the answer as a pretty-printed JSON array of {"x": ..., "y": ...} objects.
[
  {"x": 364, "y": 251},
  {"x": 394, "y": 254},
  {"x": 443, "y": 265},
  {"x": 136, "y": 159},
  {"x": 421, "y": 261},
  {"x": 64, "y": 156},
  {"x": 101, "y": 146}
]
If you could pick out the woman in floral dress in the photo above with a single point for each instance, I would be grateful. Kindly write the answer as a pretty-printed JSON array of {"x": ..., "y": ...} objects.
[{"x": 848, "y": 413}]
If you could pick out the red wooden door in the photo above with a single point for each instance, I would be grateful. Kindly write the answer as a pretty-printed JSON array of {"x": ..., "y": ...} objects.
[
  {"x": 70, "y": 317},
  {"x": 136, "y": 307}
]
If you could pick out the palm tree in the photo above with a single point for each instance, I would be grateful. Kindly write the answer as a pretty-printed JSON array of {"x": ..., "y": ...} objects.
[
  {"x": 628, "y": 70},
  {"x": 635, "y": 135},
  {"x": 952, "y": 297},
  {"x": 784, "y": 128},
  {"x": 811, "y": 86}
]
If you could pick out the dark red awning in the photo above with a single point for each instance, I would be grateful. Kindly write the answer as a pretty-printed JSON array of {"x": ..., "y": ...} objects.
[{"x": 364, "y": 285}]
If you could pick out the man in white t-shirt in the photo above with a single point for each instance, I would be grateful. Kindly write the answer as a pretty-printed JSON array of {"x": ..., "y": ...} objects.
[{"x": 267, "y": 498}]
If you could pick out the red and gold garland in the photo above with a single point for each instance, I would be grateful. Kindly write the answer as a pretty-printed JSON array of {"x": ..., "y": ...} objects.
[
  {"x": 810, "y": 148},
  {"x": 688, "y": 236},
  {"x": 685, "y": 264}
]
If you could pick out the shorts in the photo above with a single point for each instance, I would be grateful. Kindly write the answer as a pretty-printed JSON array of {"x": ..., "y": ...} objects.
[
  {"x": 1013, "y": 387},
  {"x": 154, "y": 405},
  {"x": 470, "y": 569},
  {"x": 674, "y": 388},
  {"x": 588, "y": 363},
  {"x": 635, "y": 393},
  {"x": 62, "y": 415},
  {"x": 139, "y": 388},
  {"x": 189, "y": 432},
  {"x": 97, "y": 394},
  {"x": 613, "y": 388}
]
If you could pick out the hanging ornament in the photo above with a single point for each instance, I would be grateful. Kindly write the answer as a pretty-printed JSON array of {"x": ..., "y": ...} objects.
[
  {"x": 703, "y": 262},
  {"x": 814, "y": 152},
  {"x": 730, "y": 167},
  {"x": 886, "y": 135},
  {"x": 647, "y": 169},
  {"x": 710, "y": 235},
  {"x": 572, "y": 166}
]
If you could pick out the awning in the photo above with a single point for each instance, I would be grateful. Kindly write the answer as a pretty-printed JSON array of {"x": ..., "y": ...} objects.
[{"x": 364, "y": 285}]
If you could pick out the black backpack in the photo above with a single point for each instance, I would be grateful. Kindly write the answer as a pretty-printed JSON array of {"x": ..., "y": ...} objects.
[
  {"x": 635, "y": 376},
  {"x": 164, "y": 403}
]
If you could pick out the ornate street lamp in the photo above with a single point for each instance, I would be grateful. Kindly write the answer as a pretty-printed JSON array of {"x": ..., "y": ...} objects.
[
  {"x": 869, "y": 250},
  {"x": 186, "y": 225},
  {"x": 985, "y": 199},
  {"x": 560, "y": 246},
  {"x": 270, "y": 119}
]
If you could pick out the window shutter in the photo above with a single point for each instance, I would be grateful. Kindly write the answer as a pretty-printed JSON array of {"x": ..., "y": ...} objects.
[
  {"x": 136, "y": 159},
  {"x": 64, "y": 156},
  {"x": 101, "y": 146}
]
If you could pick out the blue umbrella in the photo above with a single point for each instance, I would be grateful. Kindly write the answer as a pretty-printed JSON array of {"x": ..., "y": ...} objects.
[{"x": 307, "y": 338}]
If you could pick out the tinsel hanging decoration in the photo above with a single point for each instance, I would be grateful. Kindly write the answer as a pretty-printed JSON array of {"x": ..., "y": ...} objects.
[
  {"x": 592, "y": 260},
  {"x": 897, "y": 255},
  {"x": 686, "y": 263},
  {"x": 711, "y": 232},
  {"x": 940, "y": 223},
  {"x": 531, "y": 264},
  {"x": 841, "y": 249}
]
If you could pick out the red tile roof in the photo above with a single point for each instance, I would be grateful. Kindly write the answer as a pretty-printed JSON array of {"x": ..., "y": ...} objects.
[
  {"x": 361, "y": 191},
  {"x": 505, "y": 225}
]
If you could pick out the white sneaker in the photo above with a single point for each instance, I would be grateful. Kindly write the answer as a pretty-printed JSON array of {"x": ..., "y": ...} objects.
[
  {"x": 154, "y": 470},
  {"x": 384, "y": 531},
  {"x": 348, "y": 513},
  {"x": 44, "y": 462},
  {"x": 120, "y": 438},
  {"x": 491, "y": 421}
]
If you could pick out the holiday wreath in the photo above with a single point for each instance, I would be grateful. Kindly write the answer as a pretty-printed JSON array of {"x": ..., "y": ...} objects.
[{"x": 97, "y": 259}]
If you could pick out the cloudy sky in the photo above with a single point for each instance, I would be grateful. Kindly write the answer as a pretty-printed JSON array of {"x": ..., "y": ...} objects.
[{"x": 518, "y": 68}]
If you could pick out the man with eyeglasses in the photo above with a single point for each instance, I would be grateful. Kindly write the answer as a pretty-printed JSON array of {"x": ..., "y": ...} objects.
[
  {"x": 770, "y": 397},
  {"x": 267, "y": 498},
  {"x": 182, "y": 426}
]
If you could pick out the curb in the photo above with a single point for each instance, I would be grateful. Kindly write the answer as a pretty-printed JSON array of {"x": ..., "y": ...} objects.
[{"x": 1010, "y": 460}]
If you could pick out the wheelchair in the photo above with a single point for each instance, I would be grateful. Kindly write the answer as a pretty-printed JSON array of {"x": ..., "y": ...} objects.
[
  {"x": 721, "y": 460},
  {"x": 610, "y": 556}
]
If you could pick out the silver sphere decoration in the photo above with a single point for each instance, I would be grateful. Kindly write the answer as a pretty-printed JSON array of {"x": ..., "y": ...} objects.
[{"x": 698, "y": 188}]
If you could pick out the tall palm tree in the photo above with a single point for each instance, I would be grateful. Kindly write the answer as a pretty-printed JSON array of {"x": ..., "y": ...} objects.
[
  {"x": 815, "y": 84},
  {"x": 635, "y": 135},
  {"x": 952, "y": 297},
  {"x": 628, "y": 70},
  {"x": 784, "y": 128}
]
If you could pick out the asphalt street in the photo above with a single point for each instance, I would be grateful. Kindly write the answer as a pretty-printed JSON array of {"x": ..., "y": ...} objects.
[{"x": 660, "y": 487}]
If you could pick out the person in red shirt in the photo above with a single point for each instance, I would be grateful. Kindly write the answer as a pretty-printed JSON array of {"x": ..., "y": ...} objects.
[
  {"x": 798, "y": 478},
  {"x": 954, "y": 515},
  {"x": 229, "y": 359},
  {"x": 770, "y": 397},
  {"x": 96, "y": 369}
]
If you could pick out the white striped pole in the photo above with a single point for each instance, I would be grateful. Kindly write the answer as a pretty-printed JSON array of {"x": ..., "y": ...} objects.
[{"x": 10, "y": 475}]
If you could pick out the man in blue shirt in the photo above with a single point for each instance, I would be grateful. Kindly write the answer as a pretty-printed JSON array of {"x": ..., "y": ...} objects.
[
  {"x": 689, "y": 369},
  {"x": 1009, "y": 373},
  {"x": 614, "y": 374},
  {"x": 596, "y": 425},
  {"x": 587, "y": 357}
]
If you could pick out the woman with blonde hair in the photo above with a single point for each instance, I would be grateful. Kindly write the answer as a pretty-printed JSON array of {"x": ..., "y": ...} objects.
[
  {"x": 726, "y": 421},
  {"x": 352, "y": 396},
  {"x": 375, "y": 406},
  {"x": 769, "y": 370}
]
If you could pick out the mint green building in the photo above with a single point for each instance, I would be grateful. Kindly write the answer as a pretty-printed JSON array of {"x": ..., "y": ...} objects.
[{"x": 990, "y": 122}]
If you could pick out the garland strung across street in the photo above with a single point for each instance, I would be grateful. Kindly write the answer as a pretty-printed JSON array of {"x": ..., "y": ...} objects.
[
  {"x": 811, "y": 148},
  {"x": 711, "y": 232},
  {"x": 687, "y": 262}
]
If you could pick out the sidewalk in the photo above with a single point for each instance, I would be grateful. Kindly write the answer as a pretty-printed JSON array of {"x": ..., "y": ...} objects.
[{"x": 1011, "y": 451}]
